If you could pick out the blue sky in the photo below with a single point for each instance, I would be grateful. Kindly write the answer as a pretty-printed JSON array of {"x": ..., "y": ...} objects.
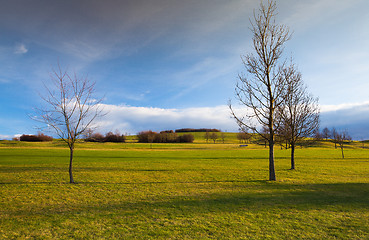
[{"x": 170, "y": 64}]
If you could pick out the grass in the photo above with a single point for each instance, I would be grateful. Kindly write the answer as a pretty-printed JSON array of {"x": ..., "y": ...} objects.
[{"x": 182, "y": 191}]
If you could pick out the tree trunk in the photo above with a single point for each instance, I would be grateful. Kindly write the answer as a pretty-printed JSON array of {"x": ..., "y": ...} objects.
[
  {"x": 292, "y": 156},
  {"x": 271, "y": 160},
  {"x": 71, "y": 180},
  {"x": 343, "y": 156}
]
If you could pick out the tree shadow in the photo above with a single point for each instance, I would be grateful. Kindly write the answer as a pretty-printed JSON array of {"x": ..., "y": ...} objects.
[{"x": 253, "y": 195}]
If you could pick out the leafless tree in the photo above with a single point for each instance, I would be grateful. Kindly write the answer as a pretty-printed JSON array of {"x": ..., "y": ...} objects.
[
  {"x": 342, "y": 137},
  {"x": 214, "y": 136},
  {"x": 243, "y": 136},
  {"x": 318, "y": 136},
  {"x": 334, "y": 135},
  {"x": 69, "y": 108},
  {"x": 223, "y": 136},
  {"x": 262, "y": 88},
  {"x": 299, "y": 113},
  {"x": 207, "y": 136},
  {"x": 326, "y": 133}
]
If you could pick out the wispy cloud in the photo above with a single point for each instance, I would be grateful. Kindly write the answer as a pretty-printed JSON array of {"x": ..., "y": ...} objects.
[
  {"x": 2, "y": 80},
  {"x": 20, "y": 48},
  {"x": 344, "y": 106}
]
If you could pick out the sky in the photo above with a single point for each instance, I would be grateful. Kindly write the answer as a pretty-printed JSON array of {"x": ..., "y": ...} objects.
[{"x": 169, "y": 64}]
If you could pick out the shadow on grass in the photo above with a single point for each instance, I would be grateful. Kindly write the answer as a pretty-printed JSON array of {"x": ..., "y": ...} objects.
[
  {"x": 131, "y": 183},
  {"x": 262, "y": 198}
]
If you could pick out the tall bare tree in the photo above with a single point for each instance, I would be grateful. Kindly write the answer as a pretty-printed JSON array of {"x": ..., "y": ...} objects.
[
  {"x": 69, "y": 108},
  {"x": 262, "y": 88},
  {"x": 300, "y": 111}
]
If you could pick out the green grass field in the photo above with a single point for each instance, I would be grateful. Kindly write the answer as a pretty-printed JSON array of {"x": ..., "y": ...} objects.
[{"x": 182, "y": 191}]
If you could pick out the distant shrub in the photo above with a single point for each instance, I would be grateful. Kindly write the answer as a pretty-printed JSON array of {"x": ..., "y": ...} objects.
[
  {"x": 167, "y": 131},
  {"x": 146, "y": 136},
  {"x": 40, "y": 137},
  {"x": 109, "y": 137},
  {"x": 186, "y": 138},
  {"x": 163, "y": 137},
  {"x": 95, "y": 137}
]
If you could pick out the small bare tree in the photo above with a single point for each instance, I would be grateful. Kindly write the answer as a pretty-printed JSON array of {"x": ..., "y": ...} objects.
[
  {"x": 243, "y": 136},
  {"x": 342, "y": 137},
  {"x": 334, "y": 135},
  {"x": 326, "y": 133},
  {"x": 69, "y": 108},
  {"x": 299, "y": 113},
  {"x": 223, "y": 136},
  {"x": 261, "y": 90},
  {"x": 214, "y": 136},
  {"x": 207, "y": 136}
]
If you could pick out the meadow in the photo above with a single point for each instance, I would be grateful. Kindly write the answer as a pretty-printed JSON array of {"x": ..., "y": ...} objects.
[{"x": 182, "y": 191}]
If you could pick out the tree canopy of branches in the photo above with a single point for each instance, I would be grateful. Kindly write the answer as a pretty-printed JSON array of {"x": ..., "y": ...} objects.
[
  {"x": 299, "y": 112},
  {"x": 261, "y": 90},
  {"x": 69, "y": 108}
]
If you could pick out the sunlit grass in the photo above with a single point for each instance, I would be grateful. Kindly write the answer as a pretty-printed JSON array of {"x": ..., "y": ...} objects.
[{"x": 182, "y": 191}]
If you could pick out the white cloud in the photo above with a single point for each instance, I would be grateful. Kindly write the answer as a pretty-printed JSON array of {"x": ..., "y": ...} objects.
[
  {"x": 134, "y": 119},
  {"x": 128, "y": 119},
  {"x": 344, "y": 106},
  {"x": 20, "y": 49}
]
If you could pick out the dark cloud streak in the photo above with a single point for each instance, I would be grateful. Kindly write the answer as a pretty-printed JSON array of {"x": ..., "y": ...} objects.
[{"x": 102, "y": 28}]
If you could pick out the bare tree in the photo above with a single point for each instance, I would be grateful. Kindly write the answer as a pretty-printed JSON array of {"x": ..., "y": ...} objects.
[
  {"x": 342, "y": 137},
  {"x": 262, "y": 88},
  {"x": 318, "y": 136},
  {"x": 223, "y": 136},
  {"x": 214, "y": 136},
  {"x": 243, "y": 136},
  {"x": 69, "y": 108},
  {"x": 334, "y": 135},
  {"x": 207, "y": 136},
  {"x": 299, "y": 113},
  {"x": 326, "y": 133}
]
